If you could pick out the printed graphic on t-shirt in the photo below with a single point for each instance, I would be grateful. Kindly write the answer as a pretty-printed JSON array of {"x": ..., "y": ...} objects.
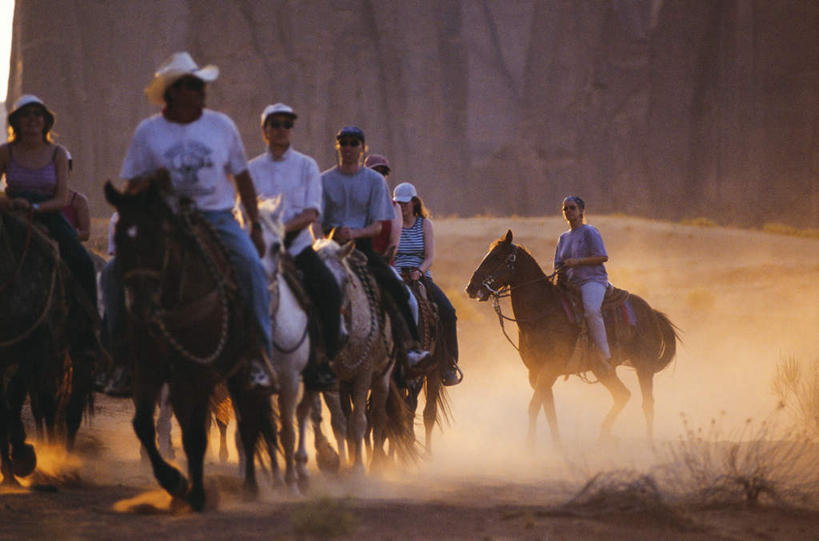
[{"x": 185, "y": 160}]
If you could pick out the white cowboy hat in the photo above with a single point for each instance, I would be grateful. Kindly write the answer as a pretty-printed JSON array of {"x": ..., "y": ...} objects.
[{"x": 178, "y": 65}]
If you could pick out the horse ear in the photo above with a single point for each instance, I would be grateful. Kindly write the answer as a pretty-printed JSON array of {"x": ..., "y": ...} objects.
[
  {"x": 112, "y": 195},
  {"x": 347, "y": 249},
  {"x": 508, "y": 237}
]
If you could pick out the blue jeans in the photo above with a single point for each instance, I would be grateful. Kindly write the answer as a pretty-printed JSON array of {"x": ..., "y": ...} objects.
[
  {"x": 250, "y": 274},
  {"x": 113, "y": 298}
]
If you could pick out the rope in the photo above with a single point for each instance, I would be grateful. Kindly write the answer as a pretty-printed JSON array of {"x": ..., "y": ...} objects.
[
  {"x": 220, "y": 286},
  {"x": 364, "y": 277}
]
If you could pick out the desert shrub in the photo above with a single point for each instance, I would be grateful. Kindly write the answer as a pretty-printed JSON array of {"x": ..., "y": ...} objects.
[
  {"x": 323, "y": 518},
  {"x": 700, "y": 221},
  {"x": 783, "y": 229},
  {"x": 797, "y": 388},
  {"x": 757, "y": 464}
]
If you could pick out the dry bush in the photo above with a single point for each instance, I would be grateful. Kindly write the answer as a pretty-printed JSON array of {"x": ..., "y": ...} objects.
[
  {"x": 783, "y": 229},
  {"x": 797, "y": 388},
  {"x": 699, "y": 222},
  {"x": 759, "y": 464},
  {"x": 323, "y": 518}
]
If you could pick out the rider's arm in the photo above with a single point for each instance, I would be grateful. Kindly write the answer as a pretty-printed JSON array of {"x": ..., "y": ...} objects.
[
  {"x": 301, "y": 220},
  {"x": 80, "y": 203},
  {"x": 368, "y": 231},
  {"x": 429, "y": 247}
]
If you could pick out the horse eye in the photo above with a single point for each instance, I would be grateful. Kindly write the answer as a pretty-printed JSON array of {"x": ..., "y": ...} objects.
[
  {"x": 511, "y": 258},
  {"x": 132, "y": 231}
]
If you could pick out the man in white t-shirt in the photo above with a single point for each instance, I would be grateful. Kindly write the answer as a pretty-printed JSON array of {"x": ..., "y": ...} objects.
[
  {"x": 282, "y": 170},
  {"x": 203, "y": 152}
]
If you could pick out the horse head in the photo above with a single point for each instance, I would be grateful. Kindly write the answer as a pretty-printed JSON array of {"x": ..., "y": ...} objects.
[
  {"x": 270, "y": 214},
  {"x": 145, "y": 225},
  {"x": 333, "y": 255},
  {"x": 496, "y": 269}
]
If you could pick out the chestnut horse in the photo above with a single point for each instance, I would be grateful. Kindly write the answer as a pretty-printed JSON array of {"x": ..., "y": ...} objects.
[
  {"x": 186, "y": 327},
  {"x": 547, "y": 337}
]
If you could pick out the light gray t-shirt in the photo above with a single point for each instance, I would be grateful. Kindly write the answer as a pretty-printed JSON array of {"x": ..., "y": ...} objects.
[
  {"x": 355, "y": 200},
  {"x": 585, "y": 241}
]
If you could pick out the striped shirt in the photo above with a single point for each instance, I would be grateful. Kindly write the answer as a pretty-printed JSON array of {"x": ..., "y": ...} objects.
[{"x": 411, "y": 247}]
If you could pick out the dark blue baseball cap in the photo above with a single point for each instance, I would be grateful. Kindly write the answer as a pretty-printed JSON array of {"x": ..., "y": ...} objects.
[{"x": 350, "y": 131}]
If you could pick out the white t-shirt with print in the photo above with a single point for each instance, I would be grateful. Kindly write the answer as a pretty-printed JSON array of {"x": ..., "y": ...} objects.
[
  {"x": 295, "y": 176},
  {"x": 199, "y": 156}
]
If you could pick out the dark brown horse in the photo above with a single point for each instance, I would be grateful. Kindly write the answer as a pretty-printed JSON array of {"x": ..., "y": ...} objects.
[
  {"x": 186, "y": 326},
  {"x": 47, "y": 342},
  {"x": 547, "y": 336}
]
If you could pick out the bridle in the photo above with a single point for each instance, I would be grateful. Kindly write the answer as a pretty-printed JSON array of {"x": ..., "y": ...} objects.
[{"x": 506, "y": 290}]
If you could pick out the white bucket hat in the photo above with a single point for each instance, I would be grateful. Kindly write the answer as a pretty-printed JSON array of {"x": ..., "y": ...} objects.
[
  {"x": 404, "y": 192},
  {"x": 278, "y": 109},
  {"x": 178, "y": 65}
]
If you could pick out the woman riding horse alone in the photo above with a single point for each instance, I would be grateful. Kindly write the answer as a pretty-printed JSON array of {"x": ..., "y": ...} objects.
[{"x": 579, "y": 259}]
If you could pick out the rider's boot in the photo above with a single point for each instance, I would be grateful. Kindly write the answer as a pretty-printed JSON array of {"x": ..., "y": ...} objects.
[
  {"x": 452, "y": 375},
  {"x": 261, "y": 375}
]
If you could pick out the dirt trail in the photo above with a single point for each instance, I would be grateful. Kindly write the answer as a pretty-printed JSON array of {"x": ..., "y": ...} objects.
[{"x": 743, "y": 300}]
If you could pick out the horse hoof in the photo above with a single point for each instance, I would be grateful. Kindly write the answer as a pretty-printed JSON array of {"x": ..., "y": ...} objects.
[
  {"x": 9, "y": 480},
  {"x": 250, "y": 492},
  {"x": 23, "y": 460},
  {"x": 196, "y": 499},
  {"x": 174, "y": 483},
  {"x": 303, "y": 484}
]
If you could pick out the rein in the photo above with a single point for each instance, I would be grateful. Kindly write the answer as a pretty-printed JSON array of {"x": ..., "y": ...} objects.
[{"x": 29, "y": 231}]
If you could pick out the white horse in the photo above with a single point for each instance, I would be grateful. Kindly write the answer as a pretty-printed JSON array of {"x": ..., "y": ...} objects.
[{"x": 291, "y": 347}]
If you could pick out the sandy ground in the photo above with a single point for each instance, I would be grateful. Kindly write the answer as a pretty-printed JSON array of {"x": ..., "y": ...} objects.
[{"x": 744, "y": 301}]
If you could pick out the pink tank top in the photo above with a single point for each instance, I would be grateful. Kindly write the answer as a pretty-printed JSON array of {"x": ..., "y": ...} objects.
[{"x": 41, "y": 180}]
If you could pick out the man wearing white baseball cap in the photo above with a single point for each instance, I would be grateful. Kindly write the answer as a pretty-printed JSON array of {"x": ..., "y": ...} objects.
[
  {"x": 282, "y": 170},
  {"x": 203, "y": 152}
]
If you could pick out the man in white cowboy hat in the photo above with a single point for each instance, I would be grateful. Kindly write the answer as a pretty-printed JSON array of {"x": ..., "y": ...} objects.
[
  {"x": 202, "y": 150},
  {"x": 282, "y": 170}
]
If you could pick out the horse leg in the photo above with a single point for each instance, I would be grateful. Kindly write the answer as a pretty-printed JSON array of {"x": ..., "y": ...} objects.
[
  {"x": 223, "y": 450},
  {"x": 288, "y": 394},
  {"x": 619, "y": 393},
  {"x": 81, "y": 393},
  {"x": 357, "y": 422},
  {"x": 191, "y": 407},
  {"x": 163, "y": 423},
  {"x": 250, "y": 408},
  {"x": 543, "y": 396},
  {"x": 5, "y": 457},
  {"x": 23, "y": 457},
  {"x": 305, "y": 405},
  {"x": 338, "y": 421},
  {"x": 433, "y": 392},
  {"x": 378, "y": 417},
  {"x": 146, "y": 393},
  {"x": 646, "y": 380}
]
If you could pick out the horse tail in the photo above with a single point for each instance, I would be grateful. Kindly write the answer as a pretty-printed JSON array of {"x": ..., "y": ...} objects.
[
  {"x": 399, "y": 427},
  {"x": 670, "y": 334},
  {"x": 443, "y": 410}
]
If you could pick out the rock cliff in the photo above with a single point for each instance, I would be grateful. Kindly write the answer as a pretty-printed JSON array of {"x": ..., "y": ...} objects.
[{"x": 667, "y": 109}]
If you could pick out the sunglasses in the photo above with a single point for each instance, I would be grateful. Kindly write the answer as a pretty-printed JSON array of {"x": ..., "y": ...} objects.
[
  {"x": 383, "y": 170},
  {"x": 32, "y": 111},
  {"x": 275, "y": 124},
  {"x": 569, "y": 207},
  {"x": 191, "y": 83},
  {"x": 349, "y": 143}
]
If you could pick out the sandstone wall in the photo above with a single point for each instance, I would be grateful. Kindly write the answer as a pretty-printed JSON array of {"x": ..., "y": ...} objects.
[{"x": 663, "y": 108}]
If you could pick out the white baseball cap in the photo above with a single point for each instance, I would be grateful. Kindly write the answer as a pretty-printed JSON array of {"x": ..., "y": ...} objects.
[
  {"x": 404, "y": 192},
  {"x": 278, "y": 109}
]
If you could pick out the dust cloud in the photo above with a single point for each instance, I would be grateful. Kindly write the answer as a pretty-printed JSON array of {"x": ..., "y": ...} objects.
[{"x": 742, "y": 300}]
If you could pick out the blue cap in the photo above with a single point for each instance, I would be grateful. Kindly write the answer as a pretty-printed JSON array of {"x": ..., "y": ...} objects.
[{"x": 350, "y": 131}]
